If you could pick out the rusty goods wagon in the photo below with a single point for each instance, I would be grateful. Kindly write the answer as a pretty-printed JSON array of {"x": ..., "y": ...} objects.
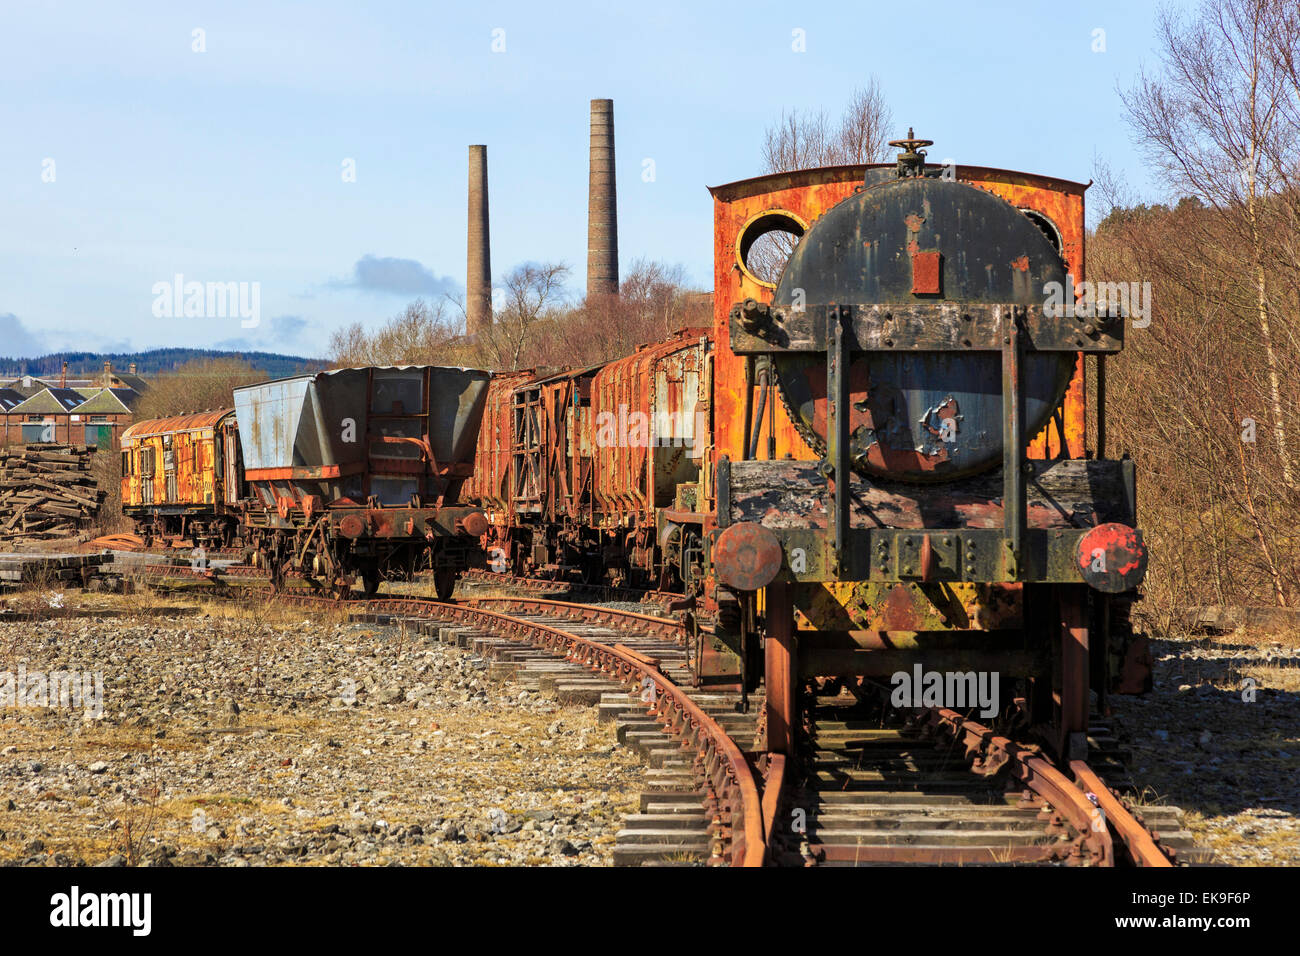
[
  {"x": 360, "y": 471},
  {"x": 603, "y": 474},
  {"x": 489, "y": 485},
  {"x": 181, "y": 477},
  {"x": 901, "y": 458},
  {"x": 550, "y": 476},
  {"x": 648, "y": 431}
]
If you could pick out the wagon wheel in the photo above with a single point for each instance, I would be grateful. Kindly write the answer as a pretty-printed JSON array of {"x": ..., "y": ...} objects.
[
  {"x": 340, "y": 588},
  {"x": 593, "y": 570},
  {"x": 277, "y": 569},
  {"x": 444, "y": 583}
]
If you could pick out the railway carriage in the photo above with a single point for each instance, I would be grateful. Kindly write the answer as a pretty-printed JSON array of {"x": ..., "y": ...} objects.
[{"x": 181, "y": 477}]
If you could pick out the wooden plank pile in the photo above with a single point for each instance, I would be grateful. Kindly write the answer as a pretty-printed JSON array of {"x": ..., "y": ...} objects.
[
  {"x": 46, "y": 491},
  {"x": 51, "y": 569}
]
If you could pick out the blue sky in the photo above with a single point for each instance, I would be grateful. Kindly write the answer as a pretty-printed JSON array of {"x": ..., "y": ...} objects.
[{"x": 227, "y": 165}]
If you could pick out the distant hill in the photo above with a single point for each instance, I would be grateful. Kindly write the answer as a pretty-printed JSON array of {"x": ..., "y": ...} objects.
[{"x": 151, "y": 363}]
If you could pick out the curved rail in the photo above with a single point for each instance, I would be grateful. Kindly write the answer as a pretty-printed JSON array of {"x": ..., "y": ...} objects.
[
  {"x": 738, "y": 824},
  {"x": 1085, "y": 802},
  {"x": 666, "y": 627}
]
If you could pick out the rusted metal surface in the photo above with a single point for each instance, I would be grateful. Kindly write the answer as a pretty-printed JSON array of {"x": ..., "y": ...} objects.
[
  {"x": 1061, "y": 494},
  {"x": 1141, "y": 844},
  {"x": 805, "y": 196},
  {"x": 668, "y": 601},
  {"x": 774, "y": 782},
  {"x": 994, "y": 752},
  {"x": 174, "y": 479},
  {"x": 176, "y": 423},
  {"x": 1112, "y": 557},
  {"x": 866, "y": 288},
  {"x": 1073, "y": 723},
  {"x": 781, "y": 672},
  {"x": 489, "y": 485},
  {"x": 386, "y": 432},
  {"x": 645, "y": 623},
  {"x": 645, "y": 410},
  {"x": 747, "y": 556}
]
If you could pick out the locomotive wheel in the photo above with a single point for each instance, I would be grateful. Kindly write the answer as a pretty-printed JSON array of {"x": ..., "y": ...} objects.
[{"x": 444, "y": 583}]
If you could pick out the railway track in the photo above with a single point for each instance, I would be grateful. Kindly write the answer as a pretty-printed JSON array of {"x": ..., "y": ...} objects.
[
  {"x": 873, "y": 786},
  {"x": 669, "y": 601},
  {"x": 867, "y": 786}
]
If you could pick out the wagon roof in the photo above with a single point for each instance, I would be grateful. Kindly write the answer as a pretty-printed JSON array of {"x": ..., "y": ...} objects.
[
  {"x": 177, "y": 423},
  {"x": 307, "y": 376}
]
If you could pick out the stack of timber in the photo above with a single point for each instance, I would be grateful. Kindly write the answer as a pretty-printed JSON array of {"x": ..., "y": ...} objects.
[
  {"x": 52, "y": 569},
  {"x": 46, "y": 491}
]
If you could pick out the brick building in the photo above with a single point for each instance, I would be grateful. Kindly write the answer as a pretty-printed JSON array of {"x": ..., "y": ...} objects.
[{"x": 72, "y": 412}]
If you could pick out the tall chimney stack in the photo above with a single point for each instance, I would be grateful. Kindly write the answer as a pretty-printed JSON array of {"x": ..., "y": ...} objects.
[
  {"x": 478, "y": 281},
  {"x": 602, "y": 205}
]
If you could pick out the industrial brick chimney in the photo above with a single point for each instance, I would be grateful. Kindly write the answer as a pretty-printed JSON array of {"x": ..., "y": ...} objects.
[
  {"x": 478, "y": 280},
  {"x": 602, "y": 205}
]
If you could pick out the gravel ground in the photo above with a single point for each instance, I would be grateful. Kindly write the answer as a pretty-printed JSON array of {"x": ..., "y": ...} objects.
[
  {"x": 1225, "y": 752},
  {"x": 244, "y": 735}
]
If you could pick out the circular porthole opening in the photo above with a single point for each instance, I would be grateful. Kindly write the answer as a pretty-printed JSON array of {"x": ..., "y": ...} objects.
[
  {"x": 1047, "y": 227},
  {"x": 766, "y": 243}
]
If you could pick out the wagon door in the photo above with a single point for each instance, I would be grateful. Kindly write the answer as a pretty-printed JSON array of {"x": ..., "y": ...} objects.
[
  {"x": 528, "y": 450},
  {"x": 230, "y": 462},
  {"x": 399, "y": 433},
  {"x": 146, "y": 475},
  {"x": 169, "y": 470}
]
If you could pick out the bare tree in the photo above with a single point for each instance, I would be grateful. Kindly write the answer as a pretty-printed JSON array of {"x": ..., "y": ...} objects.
[
  {"x": 807, "y": 140},
  {"x": 1221, "y": 122},
  {"x": 196, "y": 386},
  {"x": 1220, "y": 359},
  {"x": 419, "y": 335},
  {"x": 533, "y": 292}
]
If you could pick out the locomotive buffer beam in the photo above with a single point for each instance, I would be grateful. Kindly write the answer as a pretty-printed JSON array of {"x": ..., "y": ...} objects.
[
  {"x": 761, "y": 329},
  {"x": 1079, "y": 516},
  {"x": 875, "y": 653}
]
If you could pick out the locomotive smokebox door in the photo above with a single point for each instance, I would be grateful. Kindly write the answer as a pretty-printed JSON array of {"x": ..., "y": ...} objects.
[{"x": 927, "y": 303}]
